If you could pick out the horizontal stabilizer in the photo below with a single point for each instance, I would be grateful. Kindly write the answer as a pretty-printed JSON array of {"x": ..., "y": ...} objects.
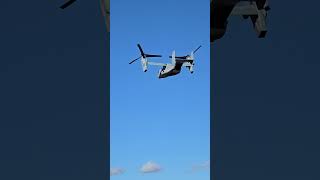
[{"x": 156, "y": 64}]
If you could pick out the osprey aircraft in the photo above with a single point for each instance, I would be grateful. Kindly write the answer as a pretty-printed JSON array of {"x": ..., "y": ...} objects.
[
  {"x": 171, "y": 69},
  {"x": 222, "y": 9},
  {"x": 105, "y": 7}
]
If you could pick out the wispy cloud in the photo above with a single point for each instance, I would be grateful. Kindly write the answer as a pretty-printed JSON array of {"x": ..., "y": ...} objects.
[
  {"x": 201, "y": 167},
  {"x": 116, "y": 171},
  {"x": 150, "y": 167}
]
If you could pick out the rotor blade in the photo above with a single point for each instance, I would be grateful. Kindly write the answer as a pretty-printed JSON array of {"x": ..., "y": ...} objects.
[
  {"x": 134, "y": 60},
  {"x": 197, "y": 49},
  {"x": 152, "y": 55},
  {"x": 180, "y": 57},
  {"x": 141, "y": 51},
  {"x": 65, "y": 5}
]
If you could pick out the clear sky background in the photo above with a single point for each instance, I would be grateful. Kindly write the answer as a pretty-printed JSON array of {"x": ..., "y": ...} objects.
[
  {"x": 161, "y": 120},
  {"x": 267, "y": 96}
]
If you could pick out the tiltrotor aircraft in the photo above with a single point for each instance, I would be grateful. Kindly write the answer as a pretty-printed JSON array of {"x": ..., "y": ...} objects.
[
  {"x": 171, "y": 69},
  {"x": 222, "y": 9}
]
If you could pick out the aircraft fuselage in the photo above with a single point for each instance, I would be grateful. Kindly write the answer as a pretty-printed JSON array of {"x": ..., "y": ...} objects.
[{"x": 169, "y": 70}]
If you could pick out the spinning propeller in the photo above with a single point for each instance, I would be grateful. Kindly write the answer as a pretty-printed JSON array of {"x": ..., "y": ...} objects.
[
  {"x": 143, "y": 55},
  {"x": 185, "y": 57}
]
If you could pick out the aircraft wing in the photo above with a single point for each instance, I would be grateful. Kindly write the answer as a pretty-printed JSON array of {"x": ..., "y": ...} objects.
[{"x": 156, "y": 64}]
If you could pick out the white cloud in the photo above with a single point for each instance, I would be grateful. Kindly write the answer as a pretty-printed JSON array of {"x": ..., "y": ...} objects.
[
  {"x": 116, "y": 171},
  {"x": 150, "y": 167},
  {"x": 203, "y": 166}
]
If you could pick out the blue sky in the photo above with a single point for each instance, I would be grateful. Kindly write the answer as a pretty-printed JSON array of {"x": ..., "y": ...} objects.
[{"x": 166, "y": 121}]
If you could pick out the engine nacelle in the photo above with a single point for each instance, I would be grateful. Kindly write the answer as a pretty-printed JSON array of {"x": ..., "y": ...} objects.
[
  {"x": 191, "y": 69},
  {"x": 144, "y": 64}
]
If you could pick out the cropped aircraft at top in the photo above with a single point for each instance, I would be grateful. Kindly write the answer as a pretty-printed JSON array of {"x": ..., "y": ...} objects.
[
  {"x": 222, "y": 9},
  {"x": 105, "y": 7},
  {"x": 171, "y": 69}
]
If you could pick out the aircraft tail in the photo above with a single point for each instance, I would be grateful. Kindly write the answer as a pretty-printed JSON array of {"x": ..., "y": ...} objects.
[{"x": 173, "y": 57}]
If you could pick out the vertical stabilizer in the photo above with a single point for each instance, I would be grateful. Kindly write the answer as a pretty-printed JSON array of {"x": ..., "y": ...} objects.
[{"x": 173, "y": 58}]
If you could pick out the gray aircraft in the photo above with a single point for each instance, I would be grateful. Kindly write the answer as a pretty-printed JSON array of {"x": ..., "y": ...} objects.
[
  {"x": 222, "y": 9},
  {"x": 171, "y": 69}
]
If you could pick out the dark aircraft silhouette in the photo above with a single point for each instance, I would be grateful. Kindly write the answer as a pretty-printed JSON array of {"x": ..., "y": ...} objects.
[{"x": 222, "y": 9}]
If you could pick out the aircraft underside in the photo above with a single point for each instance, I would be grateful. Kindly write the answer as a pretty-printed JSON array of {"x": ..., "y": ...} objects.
[{"x": 171, "y": 72}]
